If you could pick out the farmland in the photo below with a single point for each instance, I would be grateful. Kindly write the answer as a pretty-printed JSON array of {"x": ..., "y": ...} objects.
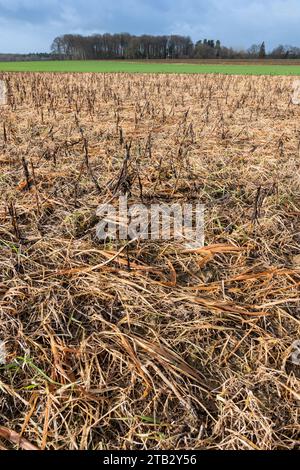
[
  {"x": 148, "y": 345},
  {"x": 188, "y": 67}
]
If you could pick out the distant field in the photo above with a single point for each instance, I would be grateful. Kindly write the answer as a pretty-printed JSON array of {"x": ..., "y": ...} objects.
[{"x": 150, "y": 67}]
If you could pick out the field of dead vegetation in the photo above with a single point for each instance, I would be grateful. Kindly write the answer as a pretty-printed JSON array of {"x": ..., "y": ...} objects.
[{"x": 145, "y": 344}]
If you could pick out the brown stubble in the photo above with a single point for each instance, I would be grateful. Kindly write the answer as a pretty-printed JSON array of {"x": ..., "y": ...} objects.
[{"x": 146, "y": 344}]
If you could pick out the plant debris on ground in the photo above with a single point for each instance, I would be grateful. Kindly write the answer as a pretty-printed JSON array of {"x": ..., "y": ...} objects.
[{"x": 145, "y": 344}]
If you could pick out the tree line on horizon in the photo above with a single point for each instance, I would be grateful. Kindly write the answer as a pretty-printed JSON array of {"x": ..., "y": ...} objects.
[{"x": 127, "y": 46}]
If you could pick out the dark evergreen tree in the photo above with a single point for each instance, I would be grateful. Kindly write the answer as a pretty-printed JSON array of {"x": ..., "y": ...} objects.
[{"x": 262, "y": 51}]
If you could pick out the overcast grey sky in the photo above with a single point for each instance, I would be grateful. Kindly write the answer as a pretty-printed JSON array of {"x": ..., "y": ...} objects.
[{"x": 31, "y": 25}]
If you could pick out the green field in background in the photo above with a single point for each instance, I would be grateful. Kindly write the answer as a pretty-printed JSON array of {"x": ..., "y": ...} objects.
[{"x": 144, "y": 67}]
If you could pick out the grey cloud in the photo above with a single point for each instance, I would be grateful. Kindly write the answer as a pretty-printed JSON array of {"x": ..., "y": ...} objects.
[{"x": 32, "y": 24}]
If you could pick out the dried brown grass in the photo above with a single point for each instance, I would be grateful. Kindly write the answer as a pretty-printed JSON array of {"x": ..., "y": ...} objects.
[{"x": 153, "y": 346}]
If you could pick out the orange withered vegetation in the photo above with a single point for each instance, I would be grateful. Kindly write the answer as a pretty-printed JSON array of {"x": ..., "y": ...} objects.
[{"x": 148, "y": 344}]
